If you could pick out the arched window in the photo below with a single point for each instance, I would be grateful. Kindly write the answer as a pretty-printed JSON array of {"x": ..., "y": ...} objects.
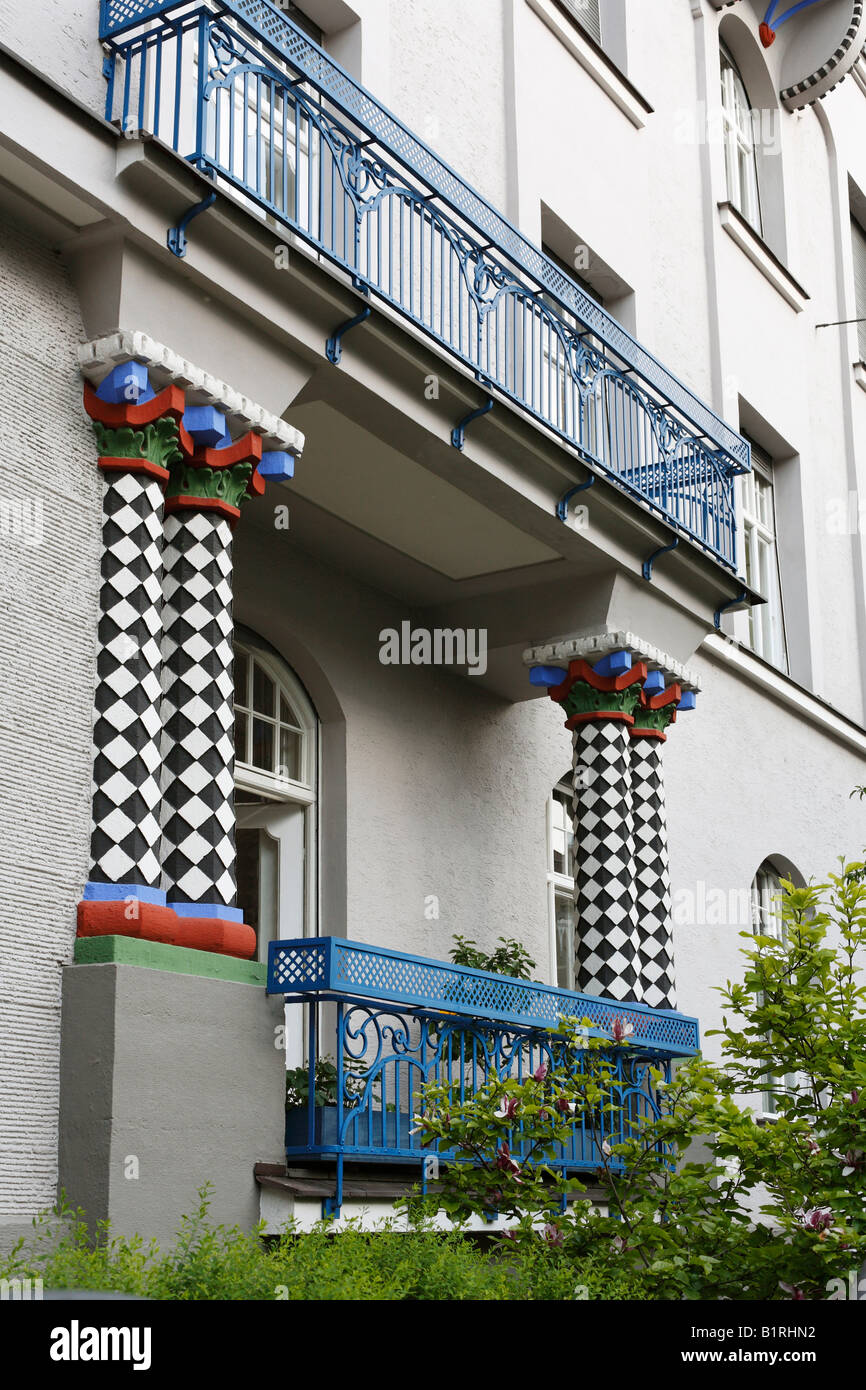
[
  {"x": 560, "y": 882},
  {"x": 767, "y": 917},
  {"x": 276, "y": 783},
  {"x": 739, "y": 137},
  {"x": 767, "y": 920}
]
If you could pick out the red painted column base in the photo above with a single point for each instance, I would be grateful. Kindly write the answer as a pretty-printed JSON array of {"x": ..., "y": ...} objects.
[{"x": 153, "y": 923}]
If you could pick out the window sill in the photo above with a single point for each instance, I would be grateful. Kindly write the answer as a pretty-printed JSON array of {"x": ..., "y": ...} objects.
[
  {"x": 600, "y": 68},
  {"x": 760, "y": 255},
  {"x": 786, "y": 690},
  {"x": 860, "y": 374}
]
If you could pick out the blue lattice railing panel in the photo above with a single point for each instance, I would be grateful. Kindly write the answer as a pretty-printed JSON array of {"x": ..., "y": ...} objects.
[
  {"x": 344, "y": 969},
  {"x": 234, "y": 87}
]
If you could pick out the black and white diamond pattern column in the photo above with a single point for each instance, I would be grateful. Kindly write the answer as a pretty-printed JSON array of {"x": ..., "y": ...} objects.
[
  {"x": 652, "y": 873},
  {"x": 606, "y": 955},
  {"x": 126, "y": 831},
  {"x": 138, "y": 438},
  {"x": 198, "y": 717}
]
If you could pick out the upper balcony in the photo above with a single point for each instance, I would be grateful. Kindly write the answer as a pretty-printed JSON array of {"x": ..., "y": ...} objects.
[{"x": 254, "y": 104}]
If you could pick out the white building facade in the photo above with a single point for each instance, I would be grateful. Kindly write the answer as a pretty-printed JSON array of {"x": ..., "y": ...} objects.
[{"x": 533, "y": 324}]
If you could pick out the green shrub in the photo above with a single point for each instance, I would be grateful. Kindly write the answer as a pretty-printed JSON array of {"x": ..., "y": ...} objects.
[{"x": 211, "y": 1262}]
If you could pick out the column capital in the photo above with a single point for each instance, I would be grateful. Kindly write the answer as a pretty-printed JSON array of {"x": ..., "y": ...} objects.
[
  {"x": 141, "y": 434},
  {"x": 610, "y": 690},
  {"x": 654, "y": 713},
  {"x": 137, "y": 352},
  {"x": 215, "y": 478},
  {"x": 181, "y": 432}
]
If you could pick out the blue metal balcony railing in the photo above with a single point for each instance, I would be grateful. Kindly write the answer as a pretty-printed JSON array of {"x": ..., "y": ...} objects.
[
  {"x": 253, "y": 102},
  {"x": 404, "y": 1021}
]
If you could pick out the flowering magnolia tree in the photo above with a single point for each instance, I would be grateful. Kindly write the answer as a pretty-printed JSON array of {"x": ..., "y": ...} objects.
[{"x": 704, "y": 1200}]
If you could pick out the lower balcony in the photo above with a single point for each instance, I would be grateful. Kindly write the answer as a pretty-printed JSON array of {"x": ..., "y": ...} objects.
[{"x": 392, "y": 1023}]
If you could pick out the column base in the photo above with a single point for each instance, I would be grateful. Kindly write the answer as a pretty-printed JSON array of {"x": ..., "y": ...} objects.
[{"x": 151, "y": 922}]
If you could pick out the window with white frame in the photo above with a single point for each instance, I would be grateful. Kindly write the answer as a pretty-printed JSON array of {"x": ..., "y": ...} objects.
[
  {"x": 766, "y": 622},
  {"x": 560, "y": 883},
  {"x": 858, "y": 242},
  {"x": 258, "y": 131},
  {"x": 276, "y": 777},
  {"x": 767, "y": 920},
  {"x": 741, "y": 162}
]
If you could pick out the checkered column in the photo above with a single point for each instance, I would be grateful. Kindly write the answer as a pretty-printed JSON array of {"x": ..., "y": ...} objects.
[
  {"x": 656, "y": 711},
  {"x": 203, "y": 503},
  {"x": 198, "y": 717},
  {"x": 138, "y": 437},
  {"x": 599, "y": 702},
  {"x": 605, "y": 950}
]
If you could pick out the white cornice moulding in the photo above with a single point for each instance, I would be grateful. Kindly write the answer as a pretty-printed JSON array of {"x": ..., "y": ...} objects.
[
  {"x": 597, "y": 645},
  {"x": 748, "y": 241},
  {"x": 167, "y": 368},
  {"x": 628, "y": 101},
  {"x": 779, "y": 686}
]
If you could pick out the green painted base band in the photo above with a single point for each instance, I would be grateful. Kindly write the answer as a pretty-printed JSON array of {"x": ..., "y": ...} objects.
[{"x": 155, "y": 955}]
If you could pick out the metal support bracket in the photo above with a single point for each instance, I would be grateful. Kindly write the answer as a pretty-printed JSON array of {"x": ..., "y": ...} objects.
[
  {"x": 647, "y": 566},
  {"x": 562, "y": 504},
  {"x": 177, "y": 239},
  {"x": 732, "y": 603},
  {"x": 334, "y": 345},
  {"x": 458, "y": 434}
]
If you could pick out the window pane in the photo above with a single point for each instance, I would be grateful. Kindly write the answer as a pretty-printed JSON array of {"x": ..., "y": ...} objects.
[
  {"x": 247, "y": 870},
  {"x": 242, "y": 670},
  {"x": 562, "y": 827},
  {"x": 263, "y": 745},
  {"x": 241, "y": 726},
  {"x": 290, "y": 755},
  {"x": 564, "y": 941},
  {"x": 264, "y": 692},
  {"x": 287, "y": 714},
  {"x": 740, "y": 155},
  {"x": 586, "y": 12}
]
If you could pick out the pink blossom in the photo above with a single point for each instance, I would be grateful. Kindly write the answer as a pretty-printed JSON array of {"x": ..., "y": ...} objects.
[
  {"x": 813, "y": 1146},
  {"x": 505, "y": 1162},
  {"x": 507, "y": 1108},
  {"x": 795, "y": 1292},
  {"x": 818, "y": 1218},
  {"x": 553, "y": 1235},
  {"x": 540, "y": 1072},
  {"x": 621, "y": 1029}
]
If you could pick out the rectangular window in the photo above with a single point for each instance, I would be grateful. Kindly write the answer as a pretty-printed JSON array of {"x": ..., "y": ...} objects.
[
  {"x": 586, "y": 14},
  {"x": 858, "y": 239},
  {"x": 560, "y": 881},
  {"x": 766, "y": 620}
]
